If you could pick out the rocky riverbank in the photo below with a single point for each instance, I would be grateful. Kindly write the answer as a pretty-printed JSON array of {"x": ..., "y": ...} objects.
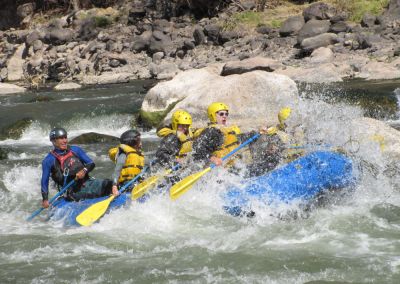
[{"x": 120, "y": 44}]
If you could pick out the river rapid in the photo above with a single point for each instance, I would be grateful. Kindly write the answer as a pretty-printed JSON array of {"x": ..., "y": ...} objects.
[{"x": 353, "y": 238}]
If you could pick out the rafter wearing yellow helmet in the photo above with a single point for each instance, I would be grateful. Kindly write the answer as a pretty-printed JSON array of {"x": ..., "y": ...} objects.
[
  {"x": 176, "y": 140},
  {"x": 218, "y": 139}
]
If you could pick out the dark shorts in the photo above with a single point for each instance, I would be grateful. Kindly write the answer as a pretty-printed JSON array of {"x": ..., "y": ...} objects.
[{"x": 92, "y": 188}]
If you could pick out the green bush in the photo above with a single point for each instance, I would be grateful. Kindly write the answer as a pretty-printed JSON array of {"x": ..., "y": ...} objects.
[{"x": 102, "y": 21}]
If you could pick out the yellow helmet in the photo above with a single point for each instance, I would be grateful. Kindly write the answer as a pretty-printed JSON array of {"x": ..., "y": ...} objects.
[
  {"x": 283, "y": 114},
  {"x": 214, "y": 108},
  {"x": 181, "y": 117}
]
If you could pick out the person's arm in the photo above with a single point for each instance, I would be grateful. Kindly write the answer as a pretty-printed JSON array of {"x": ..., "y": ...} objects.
[
  {"x": 168, "y": 149},
  {"x": 242, "y": 137},
  {"x": 88, "y": 163},
  {"x": 208, "y": 142},
  {"x": 120, "y": 162},
  {"x": 44, "y": 184}
]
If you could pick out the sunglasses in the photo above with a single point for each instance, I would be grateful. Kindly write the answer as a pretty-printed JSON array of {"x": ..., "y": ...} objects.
[{"x": 223, "y": 113}]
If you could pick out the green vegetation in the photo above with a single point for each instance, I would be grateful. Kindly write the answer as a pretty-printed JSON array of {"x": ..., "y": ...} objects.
[
  {"x": 102, "y": 21},
  {"x": 357, "y": 8}
]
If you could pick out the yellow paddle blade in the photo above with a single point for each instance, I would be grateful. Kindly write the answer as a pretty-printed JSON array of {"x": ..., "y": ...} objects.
[
  {"x": 147, "y": 184},
  {"x": 184, "y": 185},
  {"x": 94, "y": 212},
  {"x": 143, "y": 187}
]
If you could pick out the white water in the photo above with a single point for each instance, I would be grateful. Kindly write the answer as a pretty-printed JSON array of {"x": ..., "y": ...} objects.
[{"x": 351, "y": 239}]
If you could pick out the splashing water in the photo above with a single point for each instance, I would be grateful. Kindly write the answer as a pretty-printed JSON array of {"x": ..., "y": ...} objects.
[{"x": 354, "y": 238}]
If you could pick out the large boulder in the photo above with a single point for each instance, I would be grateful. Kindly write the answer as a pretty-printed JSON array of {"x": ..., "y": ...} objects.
[
  {"x": 10, "y": 89},
  {"x": 313, "y": 28},
  {"x": 15, "y": 65},
  {"x": 254, "y": 97},
  {"x": 319, "y": 11},
  {"x": 292, "y": 25},
  {"x": 251, "y": 64},
  {"x": 322, "y": 40}
]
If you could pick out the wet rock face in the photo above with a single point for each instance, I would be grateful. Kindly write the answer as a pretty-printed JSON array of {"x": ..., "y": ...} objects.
[
  {"x": 92, "y": 138},
  {"x": 15, "y": 130}
]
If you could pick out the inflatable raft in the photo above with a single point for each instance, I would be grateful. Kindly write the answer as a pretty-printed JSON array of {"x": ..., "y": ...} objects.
[{"x": 301, "y": 180}]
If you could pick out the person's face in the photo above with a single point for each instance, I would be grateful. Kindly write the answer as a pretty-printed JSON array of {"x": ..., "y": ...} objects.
[
  {"x": 61, "y": 143},
  {"x": 222, "y": 117},
  {"x": 184, "y": 128}
]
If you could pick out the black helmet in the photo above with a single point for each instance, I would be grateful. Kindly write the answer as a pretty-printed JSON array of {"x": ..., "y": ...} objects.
[
  {"x": 57, "y": 133},
  {"x": 130, "y": 137}
]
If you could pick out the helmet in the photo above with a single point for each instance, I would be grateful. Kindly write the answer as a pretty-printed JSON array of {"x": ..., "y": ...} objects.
[
  {"x": 214, "y": 108},
  {"x": 57, "y": 133},
  {"x": 130, "y": 137},
  {"x": 181, "y": 117},
  {"x": 284, "y": 113}
]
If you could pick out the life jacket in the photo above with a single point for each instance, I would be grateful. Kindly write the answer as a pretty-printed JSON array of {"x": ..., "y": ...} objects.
[
  {"x": 291, "y": 151},
  {"x": 134, "y": 162},
  {"x": 230, "y": 139},
  {"x": 186, "y": 140},
  {"x": 68, "y": 164}
]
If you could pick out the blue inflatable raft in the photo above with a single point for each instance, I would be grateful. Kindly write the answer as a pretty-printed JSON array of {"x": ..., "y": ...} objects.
[
  {"x": 68, "y": 211},
  {"x": 301, "y": 180}
]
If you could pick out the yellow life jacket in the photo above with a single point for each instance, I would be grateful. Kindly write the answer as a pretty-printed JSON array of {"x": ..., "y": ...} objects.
[
  {"x": 134, "y": 162},
  {"x": 230, "y": 140},
  {"x": 186, "y": 140}
]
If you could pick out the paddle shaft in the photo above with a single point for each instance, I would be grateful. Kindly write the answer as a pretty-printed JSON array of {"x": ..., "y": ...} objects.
[
  {"x": 233, "y": 152},
  {"x": 184, "y": 185},
  {"x": 61, "y": 192}
]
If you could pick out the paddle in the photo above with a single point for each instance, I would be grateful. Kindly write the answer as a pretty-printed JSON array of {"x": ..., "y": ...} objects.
[
  {"x": 61, "y": 192},
  {"x": 184, "y": 185},
  {"x": 148, "y": 183},
  {"x": 97, "y": 210}
]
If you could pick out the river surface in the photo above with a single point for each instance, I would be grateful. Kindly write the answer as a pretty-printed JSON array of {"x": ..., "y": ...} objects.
[{"x": 351, "y": 239}]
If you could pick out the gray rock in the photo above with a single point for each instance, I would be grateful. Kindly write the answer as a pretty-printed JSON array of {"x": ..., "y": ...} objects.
[
  {"x": 264, "y": 29},
  {"x": 58, "y": 36},
  {"x": 26, "y": 9},
  {"x": 319, "y": 11},
  {"x": 157, "y": 57},
  {"x": 313, "y": 28},
  {"x": 17, "y": 36},
  {"x": 189, "y": 45},
  {"x": 263, "y": 93},
  {"x": 164, "y": 70},
  {"x": 368, "y": 20},
  {"x": 3, "y": 74},
  {"x": 15, "y": 130},
  {"x": 10, "y": 89},
  {"x": 212, "y": 32},
  {"x": 114, "y": 63},
  {"x": 226, "y": 36},
  {"x": 322, "y": 40},
  {"x": 248, "y": 65},
  {"x": 16, "y": 64},
  {"x": 67, "y": 86},
  {"x": 291, "y": 26},
  {"x": 339, "y": 27},
  {"x": 94, "y": 138},
  {"x": 322, "y": 55},
  {"x": 140, "y": 44},
  {"x": 37, "y": 45},
  {"x": 199, "y": 36},
  {"x": 393, "y": 11}
]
